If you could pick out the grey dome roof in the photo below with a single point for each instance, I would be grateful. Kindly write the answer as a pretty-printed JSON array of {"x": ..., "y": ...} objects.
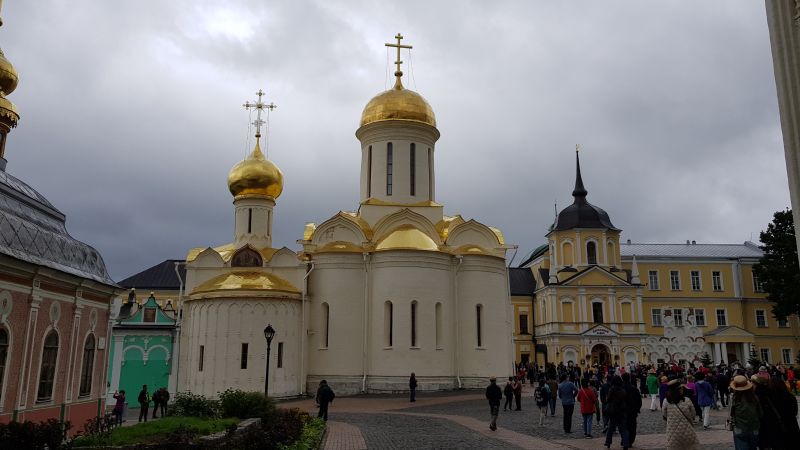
[{"x": 581, "y": 213}]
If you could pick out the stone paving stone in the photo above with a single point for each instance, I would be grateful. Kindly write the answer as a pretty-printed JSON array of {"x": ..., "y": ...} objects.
[
  {"x": 343, "y": 436},
  {"x": 400, "y": 431}
]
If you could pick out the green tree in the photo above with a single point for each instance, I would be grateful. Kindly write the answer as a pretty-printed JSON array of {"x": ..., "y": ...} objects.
[{"x": 778, "y": 270}]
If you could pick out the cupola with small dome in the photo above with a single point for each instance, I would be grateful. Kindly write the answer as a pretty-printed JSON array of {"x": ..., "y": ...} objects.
[{"x": 255, "y": 183}]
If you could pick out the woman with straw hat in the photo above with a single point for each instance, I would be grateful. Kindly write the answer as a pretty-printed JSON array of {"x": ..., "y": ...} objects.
[
  {"x": 679, "y": 414},
  {"x": 745, "y": 414}
]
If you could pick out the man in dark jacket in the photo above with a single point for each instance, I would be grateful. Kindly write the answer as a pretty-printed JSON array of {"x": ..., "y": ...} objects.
[
  {"x": 325, "y": 396},
  {"x": 633, "y": 401},
  {"x": 616, "y": 409},
  {"x": 493, "y": 394},
  {"x": 144, "y": 403}
]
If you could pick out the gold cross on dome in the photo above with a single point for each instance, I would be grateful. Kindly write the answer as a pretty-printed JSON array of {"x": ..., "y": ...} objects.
[
  {"x": 398, "y": 46},
  {"x": 259, "y": 106}
]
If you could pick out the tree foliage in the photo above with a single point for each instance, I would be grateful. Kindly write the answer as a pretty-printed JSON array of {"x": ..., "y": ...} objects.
[{"x": 778, "y": 270}]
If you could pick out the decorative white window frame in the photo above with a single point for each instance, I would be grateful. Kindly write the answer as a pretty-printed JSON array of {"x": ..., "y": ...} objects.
[
  {"x": 721, "y": 281},
  {"x": 660, "y": 317},
  {"x": 650, "y": 279},
  {"x": 671, "y": 271},
  {"x": 764, "y": 313},
  {"x": 716, "y": 316},
  {"x": 698, "y": 278}
]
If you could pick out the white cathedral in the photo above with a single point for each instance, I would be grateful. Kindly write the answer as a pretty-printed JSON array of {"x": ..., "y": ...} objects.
[{"x": 392, "y": 288}]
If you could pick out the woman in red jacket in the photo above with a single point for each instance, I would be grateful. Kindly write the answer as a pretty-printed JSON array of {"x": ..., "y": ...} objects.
[{"x": 588, "y": 399}]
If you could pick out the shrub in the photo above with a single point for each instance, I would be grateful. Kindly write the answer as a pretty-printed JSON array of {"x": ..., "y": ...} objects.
[
  {"x": 310, "y": 438},
  {"x": 285, "y": 426},
  {"x": 244, "y": 405},
  {"x": 194, "y": 405},
  {"x": 51, "y": 434}
]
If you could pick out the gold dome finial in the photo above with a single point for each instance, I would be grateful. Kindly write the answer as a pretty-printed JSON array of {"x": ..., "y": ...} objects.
[
  {"x": 9, "y": 116},
  {"x": 398, "y": 73},
  {"x": 256, "y": 175},
  {"x": 398, "y": 103}
]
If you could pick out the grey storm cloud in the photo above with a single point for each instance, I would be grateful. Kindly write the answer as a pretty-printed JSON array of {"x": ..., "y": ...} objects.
[{"x": 132, "y": 117}]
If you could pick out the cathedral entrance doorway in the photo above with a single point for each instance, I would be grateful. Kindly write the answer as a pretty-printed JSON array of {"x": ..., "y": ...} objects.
[{"x": 601, "y": 354}]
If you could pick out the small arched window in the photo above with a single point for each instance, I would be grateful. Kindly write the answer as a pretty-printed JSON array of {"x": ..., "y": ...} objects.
[
  {"x": 388, "y": 323},
  {"x": 246, "y": 257},
  {"x": 88, "y": 367},
  {"x": 438, "y": 312},
  {"x": 479, "y": 324},
  {"x": 3, "y": 357},
  {"x": 326, "y": 322},
  {"x": 414, "y": 324},
  {"x": 591, "y": 252},
  {"x": 47, "y": 371}
]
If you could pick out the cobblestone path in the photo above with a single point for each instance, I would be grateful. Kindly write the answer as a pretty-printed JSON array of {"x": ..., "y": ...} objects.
[{"x": 459, "y": 420}]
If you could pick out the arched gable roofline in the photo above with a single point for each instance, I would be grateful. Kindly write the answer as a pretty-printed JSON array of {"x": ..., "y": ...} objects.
[
  {"x": 339, "y": 220},
  {"x": 464, "y": 234},
  {"x": 208, "y": 258},
  {"x": 403, "y": 219},
  {"x": 284, "y": 257}
]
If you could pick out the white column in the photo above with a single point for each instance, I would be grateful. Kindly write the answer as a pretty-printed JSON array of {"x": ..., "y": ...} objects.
[
  {"x": 747, "y": 349},
  {"x": 724, "y": 350},
  {"x": 717, "y": 353}
]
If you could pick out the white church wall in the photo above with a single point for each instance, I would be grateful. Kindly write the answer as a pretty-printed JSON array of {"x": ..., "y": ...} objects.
[
  {"x": 403, "y": 277},
  {"x": 482, "y": 281},
  {"x": 221, "y": 326},
  {"x": 338, "y": 281}
]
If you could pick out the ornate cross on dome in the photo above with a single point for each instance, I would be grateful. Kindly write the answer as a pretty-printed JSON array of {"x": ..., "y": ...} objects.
[
  {"x": 398, "y": 73},
  {"x": 259, "y": 106}
]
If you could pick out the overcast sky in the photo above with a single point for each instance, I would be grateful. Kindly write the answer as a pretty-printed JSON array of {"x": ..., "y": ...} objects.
[{"x": 132, "y": 117}]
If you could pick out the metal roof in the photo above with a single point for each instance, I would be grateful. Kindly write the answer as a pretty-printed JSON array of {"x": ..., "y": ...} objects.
[
  {"x": 34, "y": 231},
  {"x": 162, "y": 276},
  {"x": 745, "y": 250},
  {"x": 521, "y": 281}
]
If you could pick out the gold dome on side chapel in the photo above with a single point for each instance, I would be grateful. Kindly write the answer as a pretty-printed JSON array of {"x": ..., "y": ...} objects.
[
  {"x": 256, "y": 175},
  {"x": 398, "y": 103}
]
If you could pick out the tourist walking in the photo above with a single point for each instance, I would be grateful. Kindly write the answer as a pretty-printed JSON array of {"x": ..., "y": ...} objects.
[
  {"x": 156, "y": 402},
  {"x": 508, "y": 392},
  {"x": 652, "y": 390},
  {"x": 662, "y": 390},
  {"x": 493, "y": 394},
  {"x": 604, "y": 401},
  {"x": 324, "y": 397},
  {"x": 769, "y": 430},
  {"x": 723, "y": 387},
  {"x": 705, "y": 397},
  {"x": 785, "y": 405},
  {"x": 745, "y": 414},
  {"x": 551, "y": 383},
  {"x": 144, "y": 403},
  {"x": 616, "y": 408},
  {"x": 164, "y": 401},
  {"x": 119, "y": 407},
  {"x": 588, "y": 399},
  {"x": 517, "y": 386},
  {"x": 633, "y": 405},
  {"x": 412, "y": 387},
  {"x": 567, "y": 392},
  {"x": 679, "y": 414},
  {"x": 541, "y": 395}
]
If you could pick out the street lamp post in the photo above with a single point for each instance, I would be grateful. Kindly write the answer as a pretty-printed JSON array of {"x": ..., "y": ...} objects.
[{"x": 269, "y": 333}]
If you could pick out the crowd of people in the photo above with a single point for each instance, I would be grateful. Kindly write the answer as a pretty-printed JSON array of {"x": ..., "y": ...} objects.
[{"x": 761, "y": 404}]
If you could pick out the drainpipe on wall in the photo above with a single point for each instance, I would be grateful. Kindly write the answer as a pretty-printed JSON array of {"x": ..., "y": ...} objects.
[
  {"x": 303, "y": 331},
  {"x": 458, "y": 322},
  {"x": 178, "y": 320},
  {"x": 366, "y": 323}
]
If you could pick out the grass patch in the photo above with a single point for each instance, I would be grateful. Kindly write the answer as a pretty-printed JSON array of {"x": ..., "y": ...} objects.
[{"x": 154, "y": 431}]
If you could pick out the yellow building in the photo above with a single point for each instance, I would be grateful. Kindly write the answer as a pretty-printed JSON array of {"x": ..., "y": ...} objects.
[{"x": 599, "y": 300}]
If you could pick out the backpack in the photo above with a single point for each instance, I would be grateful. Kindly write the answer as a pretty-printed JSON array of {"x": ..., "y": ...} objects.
[{"x": 539, "y": 396}]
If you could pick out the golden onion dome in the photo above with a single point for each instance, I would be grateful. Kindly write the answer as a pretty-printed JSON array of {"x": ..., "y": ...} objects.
[
  {"x": 8, "y": 76},
  {"x": 398, "y": 103},
  {"x": 256, "y": 175}
]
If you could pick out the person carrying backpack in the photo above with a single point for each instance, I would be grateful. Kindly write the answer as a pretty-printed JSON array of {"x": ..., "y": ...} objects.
[{"x": 541, "y": 395}]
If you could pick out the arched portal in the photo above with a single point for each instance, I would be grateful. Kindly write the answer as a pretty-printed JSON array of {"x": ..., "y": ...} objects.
[{"x": 601, "y": 354}]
